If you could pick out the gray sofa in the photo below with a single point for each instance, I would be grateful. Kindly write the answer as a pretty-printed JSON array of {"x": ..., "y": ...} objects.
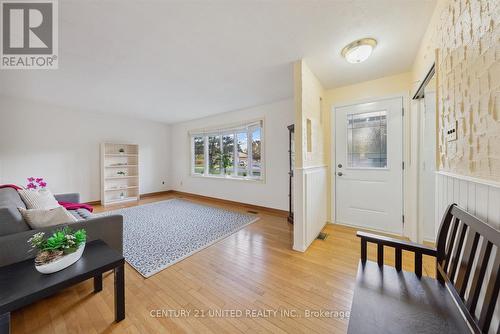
[{"x": 14, "y": 231}]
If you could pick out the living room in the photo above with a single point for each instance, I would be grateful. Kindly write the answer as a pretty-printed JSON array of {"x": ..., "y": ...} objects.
[{"x": 245, "y": 166}]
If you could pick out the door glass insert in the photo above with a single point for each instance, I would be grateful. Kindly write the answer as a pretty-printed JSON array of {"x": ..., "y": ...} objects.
[{"x": 367, "y": 140}]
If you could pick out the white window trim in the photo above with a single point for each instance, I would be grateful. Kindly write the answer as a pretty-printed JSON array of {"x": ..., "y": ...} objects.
[{"x": 250, "y": 126}]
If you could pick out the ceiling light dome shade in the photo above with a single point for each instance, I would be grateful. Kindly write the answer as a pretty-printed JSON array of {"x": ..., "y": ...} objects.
[{"x": 359, "y": 51}]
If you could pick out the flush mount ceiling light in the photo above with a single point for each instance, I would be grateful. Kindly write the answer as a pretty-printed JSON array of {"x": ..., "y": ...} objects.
[{"x": 359, "y": 51}]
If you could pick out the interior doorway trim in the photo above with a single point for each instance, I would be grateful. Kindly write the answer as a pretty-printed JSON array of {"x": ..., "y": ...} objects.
[
  {"x": 422, "y": 117},
  {"x": 333, "y": 160},
  {"x": 420, "y": 93}
]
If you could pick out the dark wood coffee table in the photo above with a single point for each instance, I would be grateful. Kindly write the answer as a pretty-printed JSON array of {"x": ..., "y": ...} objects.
[{"x": 21, "y": 284}]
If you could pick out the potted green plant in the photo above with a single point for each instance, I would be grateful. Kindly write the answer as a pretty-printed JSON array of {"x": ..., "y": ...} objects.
[{"x": 63, "y": 248}]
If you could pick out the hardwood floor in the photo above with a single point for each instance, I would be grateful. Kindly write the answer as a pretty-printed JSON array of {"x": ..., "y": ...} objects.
[{"x": 252, "y": 270}]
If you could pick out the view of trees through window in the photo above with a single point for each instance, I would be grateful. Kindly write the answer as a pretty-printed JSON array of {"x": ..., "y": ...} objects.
[
  {"x": 228, "y": 154},
  {"x": 242, "y": 153},
  {"x": 256, "y": 149},
  {"x": 233, "y": 153},
  {"x": 199, "y": 155},
  {"x": 214, "y": 157}
]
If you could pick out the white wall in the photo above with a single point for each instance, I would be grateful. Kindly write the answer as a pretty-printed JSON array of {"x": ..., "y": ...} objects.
[
  {"x": 63, "y": 147},
  {"x": 273, "y": 193}
]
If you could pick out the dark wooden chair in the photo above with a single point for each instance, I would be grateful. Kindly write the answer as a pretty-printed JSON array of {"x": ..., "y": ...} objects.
[{"x": 462, "y": 298}]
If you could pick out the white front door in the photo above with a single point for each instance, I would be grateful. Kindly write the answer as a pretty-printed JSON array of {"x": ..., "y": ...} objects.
[{"x": 369, "y": 165}]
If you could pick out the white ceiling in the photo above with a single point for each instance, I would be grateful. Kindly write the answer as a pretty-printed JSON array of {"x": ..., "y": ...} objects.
[{"x": 172, "y": 61}]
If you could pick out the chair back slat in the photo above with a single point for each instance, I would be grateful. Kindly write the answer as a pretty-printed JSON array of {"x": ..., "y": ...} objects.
[
  {"x": 451, "y": 242},
  {"x": 457, "y": 251},
  {"x": 490, "y": 297},
  {"x": 468, "y": 263},
  {"x": 478, "y": 277}
]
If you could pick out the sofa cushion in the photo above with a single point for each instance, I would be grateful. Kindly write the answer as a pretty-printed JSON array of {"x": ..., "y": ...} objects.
[
  {"x": 42, "y": 199},
  {"x": 81, "y": 214},
  {"x": 11, "y": 220},
  {"x": 39, "y": 218}
]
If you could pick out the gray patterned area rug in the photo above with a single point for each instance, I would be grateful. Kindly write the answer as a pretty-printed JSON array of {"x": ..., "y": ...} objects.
[{"x": 157, "y": 235}]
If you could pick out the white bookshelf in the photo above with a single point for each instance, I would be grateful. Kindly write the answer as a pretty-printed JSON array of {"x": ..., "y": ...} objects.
[{"x": 119, "y": 173}]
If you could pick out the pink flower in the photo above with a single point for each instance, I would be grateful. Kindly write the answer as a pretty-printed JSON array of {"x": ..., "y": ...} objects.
[
  {"x": 31, "y": 186},
  {"x": 35, "y": 183}
]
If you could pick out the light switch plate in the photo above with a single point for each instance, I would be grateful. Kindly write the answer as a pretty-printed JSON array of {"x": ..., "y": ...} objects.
[{"x": 451, "y": 131}]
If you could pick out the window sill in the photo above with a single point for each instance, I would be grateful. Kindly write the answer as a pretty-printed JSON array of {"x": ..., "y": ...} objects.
[{"x": 231, "y": 178}]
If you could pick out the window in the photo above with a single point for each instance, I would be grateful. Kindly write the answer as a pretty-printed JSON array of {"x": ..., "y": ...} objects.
[
  {"x": 228, "y": 154},
  {"x": 199, "y": 155},
  {"x": 256, "y": 149},
  {"x": 214, "y": 156},
  {"x": 367, "y": 140},
  {"x": 242, "y": 153},
  {"x": 232, "y": 152}
]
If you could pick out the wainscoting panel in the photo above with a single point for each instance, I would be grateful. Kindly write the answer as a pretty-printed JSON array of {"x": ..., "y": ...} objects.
[
  {"x": 479, "y": 197},
  {"x": 316, "y": 188},
  {"x": 310, "y": 205}
]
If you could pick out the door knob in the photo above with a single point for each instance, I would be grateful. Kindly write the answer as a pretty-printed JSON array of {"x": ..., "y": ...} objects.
[{"x": 340, "y": 174}]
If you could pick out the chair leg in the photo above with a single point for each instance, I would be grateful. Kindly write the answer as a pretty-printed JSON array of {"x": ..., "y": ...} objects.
[
  {"x": 363, "y": 250},
  {"x": 380, "y": 255},
  {"x": 399, "y": 258},
  {"x": 418, "y": 264}
]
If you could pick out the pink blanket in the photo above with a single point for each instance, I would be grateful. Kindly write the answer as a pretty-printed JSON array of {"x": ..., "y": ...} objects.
[
  {"x": 75, "y": 206},
  {"x": 10, "y": 186}
]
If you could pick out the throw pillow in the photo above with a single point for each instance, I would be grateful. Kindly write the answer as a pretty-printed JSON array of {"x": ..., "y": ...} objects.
[
  {"x": 38, "y": 199},
  {"x": 39, "y": 218}
]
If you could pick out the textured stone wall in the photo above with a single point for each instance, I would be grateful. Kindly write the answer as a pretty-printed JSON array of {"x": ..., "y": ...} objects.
[{"x": 467, "y": 45}]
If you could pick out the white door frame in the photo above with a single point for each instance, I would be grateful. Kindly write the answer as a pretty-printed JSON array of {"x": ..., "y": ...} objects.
[
  {"x": 420, "y": 108},
  {"x": 410, "y": 227}
]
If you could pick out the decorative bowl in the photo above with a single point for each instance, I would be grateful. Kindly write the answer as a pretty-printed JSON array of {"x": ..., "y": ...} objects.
[{"x": 61, "y": 263}]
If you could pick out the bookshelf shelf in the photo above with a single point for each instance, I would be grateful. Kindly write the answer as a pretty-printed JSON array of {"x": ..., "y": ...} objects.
[
  {"x": 120, "y": 155},
  {"x": 121, "y": 177},
  {"x": 120, "y": 189},
  {"x": 121, "y": 166}
]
